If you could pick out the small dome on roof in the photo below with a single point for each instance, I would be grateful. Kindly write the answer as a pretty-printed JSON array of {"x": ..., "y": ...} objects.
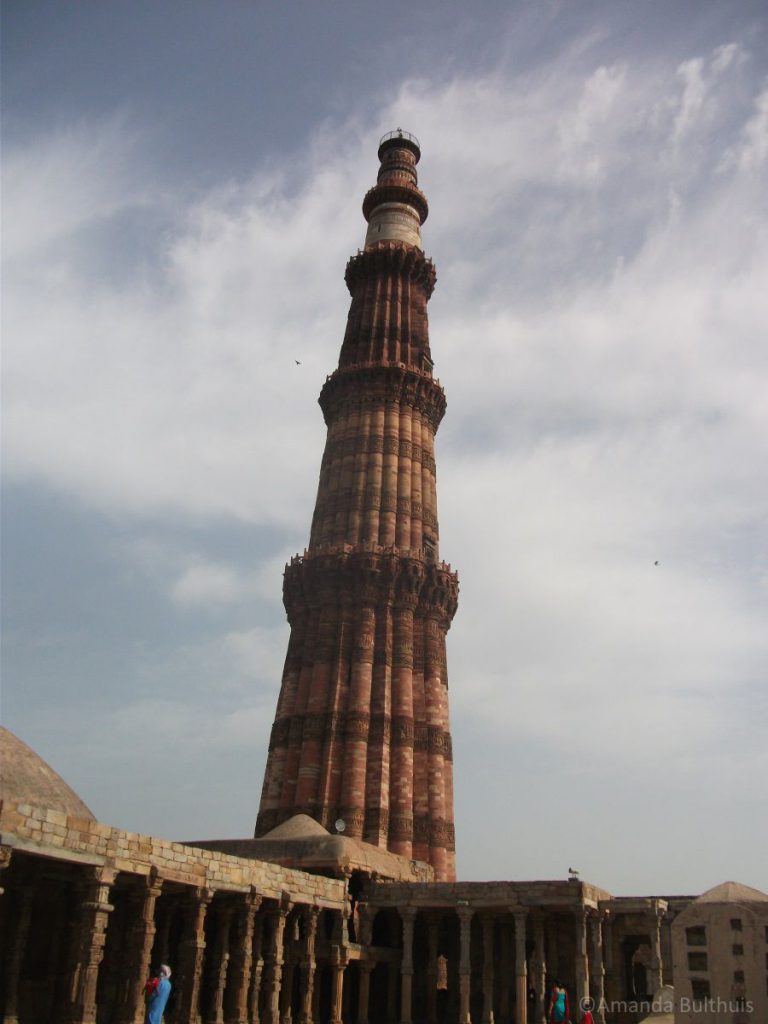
[
  {"x": 732, "y": 892},
  {"x": 300, "y": 826},
  {"x": 25, "y": 778}
]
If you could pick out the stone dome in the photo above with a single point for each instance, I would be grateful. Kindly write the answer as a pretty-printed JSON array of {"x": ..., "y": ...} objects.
[
  {"x": 25, "y": 778},
  {"x": 733, "y": 892}
]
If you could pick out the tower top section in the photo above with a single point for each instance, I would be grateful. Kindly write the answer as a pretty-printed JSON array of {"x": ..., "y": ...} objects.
[
  {"x": 395, "y": 207},
  {"x": 397, "y": 139}
]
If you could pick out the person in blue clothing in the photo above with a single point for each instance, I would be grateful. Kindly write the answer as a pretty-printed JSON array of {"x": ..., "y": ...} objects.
[
  {"x": 157, "y": 996},
  {"x": 559, "y": 1010}
]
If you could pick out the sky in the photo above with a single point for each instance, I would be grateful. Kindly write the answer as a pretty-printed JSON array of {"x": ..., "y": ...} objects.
[{"x": 182, "y": 185}]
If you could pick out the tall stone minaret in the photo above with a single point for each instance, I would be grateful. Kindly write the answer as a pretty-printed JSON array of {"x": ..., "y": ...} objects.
[{"x": 361, "y": 732}]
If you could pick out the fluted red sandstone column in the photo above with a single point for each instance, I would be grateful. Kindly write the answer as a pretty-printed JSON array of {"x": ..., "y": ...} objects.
[{"x": 361, "y": 729}]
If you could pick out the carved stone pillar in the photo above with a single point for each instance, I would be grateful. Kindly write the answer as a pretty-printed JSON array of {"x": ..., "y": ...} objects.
[
  {"x": 339, "y": 961},
  {"x": 582, "y": 960},
  {"x": 521, "y": 968},
  {"x": 553, "y": 955},
  {"x": 274, "y": 964},
  {"x": 656, "y": 964},
  {"x": 286, "y": 991},
  {"x": 465, "y": 967},
  {"x": 257, "y": 969},
  {"x": 540, "y": 971},
  {"x": 433, "y": 935},
  {"x": 488, "y": 969},
  {"x": 191, "y": 952},
  {"x": 408, "y": 914},
  {"x": 241, "y": 961},
  {"x": 308, "y": 964},
  {"x": 289, "y": 969},
  {"x": 5, "y": 862},
  {"x": 365, "y": 916},
  {"x": 141, "y": 937},
  {"x": 392, "y": 975},
  {"x": 504, "y": 958},
  {"x": 611, "y": 991},
  {"x": 18, "y": 945},
  {"x": 92, "y": 914},
  {"x": 220, "y": 965},
  {"x": 597, "y": 968},
  {"x": 364, "y": 990}
]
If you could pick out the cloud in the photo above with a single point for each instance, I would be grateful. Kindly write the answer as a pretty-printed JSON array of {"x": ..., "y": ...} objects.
[
  {"x": 600, "y": 236},
  {"x": 206, "y": 584}
]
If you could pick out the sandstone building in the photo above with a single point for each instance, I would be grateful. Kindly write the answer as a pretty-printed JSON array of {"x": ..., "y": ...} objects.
[
  {"x": 720, "y": 956},
  {"x": 344, "y": 908}
]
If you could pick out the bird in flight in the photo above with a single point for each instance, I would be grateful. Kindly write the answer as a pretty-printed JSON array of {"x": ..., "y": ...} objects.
[
  {"x": 655, "y": 563},
  {"x": 297, "y": 361}
]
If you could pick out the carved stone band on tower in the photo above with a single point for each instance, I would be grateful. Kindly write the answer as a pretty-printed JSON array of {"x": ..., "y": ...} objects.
[{"x": 361, "y": 731}]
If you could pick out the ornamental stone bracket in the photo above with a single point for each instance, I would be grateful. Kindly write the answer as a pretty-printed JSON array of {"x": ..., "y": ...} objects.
[
  {"x": 382, "y": 383},
  {"x": 388, "y": 257},
  {"x": 377, "y": 578}
]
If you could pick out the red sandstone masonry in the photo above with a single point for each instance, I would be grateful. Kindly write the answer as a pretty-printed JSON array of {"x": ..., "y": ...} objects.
[{"x": 361, "y": 730}]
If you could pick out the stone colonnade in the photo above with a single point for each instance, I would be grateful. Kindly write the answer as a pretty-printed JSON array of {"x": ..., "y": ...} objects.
[
  {"x": 86, "y": 910},
  {"x": 503, "y": 961},
  {"x": 241, "y": 957},
  {"x": 78, "y": 942}
]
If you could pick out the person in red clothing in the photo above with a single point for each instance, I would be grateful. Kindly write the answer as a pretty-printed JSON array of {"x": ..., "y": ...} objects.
[{"x": 151, "y": 986}]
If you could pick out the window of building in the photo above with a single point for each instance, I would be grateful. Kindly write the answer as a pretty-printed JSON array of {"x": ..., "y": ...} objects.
[
  {"x": 737, "y": 949},
  {"x": 697, "y": 961},
  {"x": 699, "y": 988},
  {"x": 696, "y": 936},
  {"x": 736, "y": 924},
  {"x": 738, "y": 975}
]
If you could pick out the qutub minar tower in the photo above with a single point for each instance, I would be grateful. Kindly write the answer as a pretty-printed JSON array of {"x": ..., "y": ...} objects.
[
  {"x": 302, "y": 925},
  {"x": 361, "y": 739}
]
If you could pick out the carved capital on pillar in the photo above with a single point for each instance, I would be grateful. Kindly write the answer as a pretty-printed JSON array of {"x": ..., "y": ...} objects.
[
  {"x": 465, "y": 913},
  {"x": 286, "y": 901},
  {"x": 95, "y": 887},
  {"x": 252, "y": 899},
  {"x": 656, "y": 914},
  {"x": 339, "y": 957}
]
